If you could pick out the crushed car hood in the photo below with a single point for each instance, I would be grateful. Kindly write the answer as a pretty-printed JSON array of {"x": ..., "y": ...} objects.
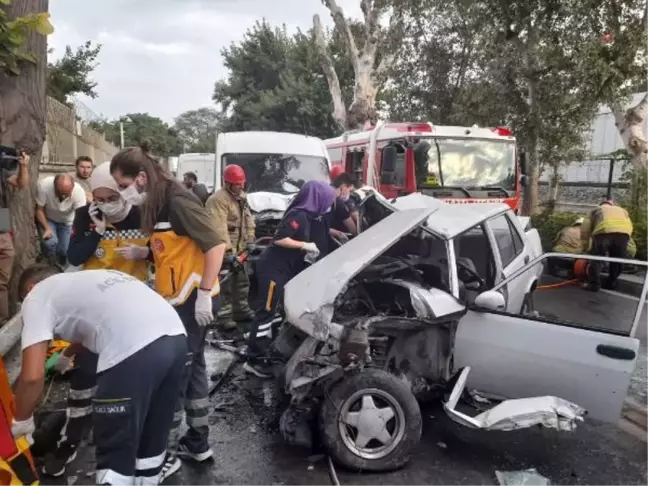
[
  {"x": 269, "y": 201},
  {"x": 310, "y": 296}
]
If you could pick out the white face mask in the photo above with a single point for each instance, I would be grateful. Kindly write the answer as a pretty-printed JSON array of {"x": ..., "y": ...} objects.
[
  {"x": 115, "y": 211},
  {"x": 132, "y": 196}
]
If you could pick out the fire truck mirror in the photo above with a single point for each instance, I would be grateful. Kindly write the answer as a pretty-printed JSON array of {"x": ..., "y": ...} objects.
[
  {"x": 524, "y": 163},
  {"x": 388, "y": 161}
]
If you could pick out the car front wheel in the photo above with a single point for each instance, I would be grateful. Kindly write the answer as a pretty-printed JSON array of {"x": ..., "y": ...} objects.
[{"x": 370, "y": 421}]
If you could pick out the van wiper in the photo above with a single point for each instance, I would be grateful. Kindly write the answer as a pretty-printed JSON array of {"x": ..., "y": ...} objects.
[{"x": 492, "y": 188}]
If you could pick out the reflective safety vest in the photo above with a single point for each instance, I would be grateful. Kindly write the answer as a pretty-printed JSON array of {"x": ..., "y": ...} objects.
[
  {"x": 179, "y": 264},
  {"x": 569, "y": 240},
  {"x": 105, "y": 256},
  {"x": 631, "y": 249},
  {"x": 610, "y": 219}
]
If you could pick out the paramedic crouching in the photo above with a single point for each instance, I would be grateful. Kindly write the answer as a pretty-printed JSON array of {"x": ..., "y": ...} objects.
[
  {"x": 129, "y": 327},
  {"x": 98, "y": 230}
]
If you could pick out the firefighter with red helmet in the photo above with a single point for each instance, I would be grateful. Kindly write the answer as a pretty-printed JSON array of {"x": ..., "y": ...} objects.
[{"x": 233, "y": 217}]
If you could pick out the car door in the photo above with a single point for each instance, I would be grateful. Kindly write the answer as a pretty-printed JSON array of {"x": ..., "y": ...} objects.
[
  {"x": 513, "y": 255},
  {"x": 576, "y": 348}
]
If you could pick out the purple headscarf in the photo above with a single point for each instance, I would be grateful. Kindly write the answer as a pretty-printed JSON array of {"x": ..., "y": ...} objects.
[{"x": 314, "y": 196}]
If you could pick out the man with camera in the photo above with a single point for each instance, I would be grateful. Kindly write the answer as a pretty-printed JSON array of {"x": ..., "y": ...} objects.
[{"x": 14, "y": 173}]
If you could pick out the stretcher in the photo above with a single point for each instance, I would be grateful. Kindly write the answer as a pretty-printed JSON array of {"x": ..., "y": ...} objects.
[{"x": 16, "y": 462}]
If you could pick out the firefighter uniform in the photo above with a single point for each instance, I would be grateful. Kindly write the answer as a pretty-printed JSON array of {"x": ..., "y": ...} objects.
[
  {"x": 569, "y": 240},
  {"x": 232, "y": 215},
  {"x": 182, "y": 235},
  {"x": 610, "y": 228}
]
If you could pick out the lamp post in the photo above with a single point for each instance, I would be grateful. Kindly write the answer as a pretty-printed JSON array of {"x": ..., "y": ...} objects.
[{"x": 121, "y": 130}]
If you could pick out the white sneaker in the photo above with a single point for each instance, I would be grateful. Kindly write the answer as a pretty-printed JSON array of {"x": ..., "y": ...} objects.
[{"x": 171, "y": 466}]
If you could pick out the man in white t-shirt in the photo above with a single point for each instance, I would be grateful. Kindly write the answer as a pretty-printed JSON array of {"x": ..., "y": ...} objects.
[
  {"x": 57, "y": 198},
  {"x": 141, "y": 346}
]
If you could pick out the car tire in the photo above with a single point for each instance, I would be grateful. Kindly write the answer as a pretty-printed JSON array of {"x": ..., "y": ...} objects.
[{"x": 394, "y": 404}]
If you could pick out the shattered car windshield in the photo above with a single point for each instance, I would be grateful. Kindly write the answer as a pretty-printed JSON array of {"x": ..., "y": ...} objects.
[
  {"x": 471, "y": 163},
  {"x": 279, "y": 173}
]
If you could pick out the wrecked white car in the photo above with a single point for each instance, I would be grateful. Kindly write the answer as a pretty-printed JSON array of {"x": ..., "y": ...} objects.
[{"x": 396, "y": 314}]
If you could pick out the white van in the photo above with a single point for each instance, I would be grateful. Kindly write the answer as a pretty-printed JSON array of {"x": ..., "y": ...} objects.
[
  {"x": 200, "y": 164},
  {"x": 276, "y": 165}
]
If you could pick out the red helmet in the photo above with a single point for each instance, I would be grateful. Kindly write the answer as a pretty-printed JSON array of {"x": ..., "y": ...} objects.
[
  {"x": 234, "y": 174},
  {"x": 336, "y": 171}
]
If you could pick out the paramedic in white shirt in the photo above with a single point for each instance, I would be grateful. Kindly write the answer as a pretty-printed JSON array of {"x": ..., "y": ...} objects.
[
  {"x": 57, "y": 198},
  {"x": 142, "y": 348}
]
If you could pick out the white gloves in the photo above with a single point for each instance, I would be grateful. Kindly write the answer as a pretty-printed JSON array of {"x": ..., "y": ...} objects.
[
  {"x": 21, "y": 428},
  {"x": 97, "y": 219},
  {"x": 133, "y": 252},
  {"x": 310, "y": 247},
  {"x": 203, "y": 310},
  {"x": 63, "y": 364}
]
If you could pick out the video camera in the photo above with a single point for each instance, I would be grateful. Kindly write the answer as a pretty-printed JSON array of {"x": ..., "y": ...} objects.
[{"x": 9, "y": 158}]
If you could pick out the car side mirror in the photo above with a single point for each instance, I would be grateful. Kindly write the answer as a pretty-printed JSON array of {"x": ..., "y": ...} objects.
[
  {"x": 388, "y": 160},
  {"x": 491, "y": 300}
]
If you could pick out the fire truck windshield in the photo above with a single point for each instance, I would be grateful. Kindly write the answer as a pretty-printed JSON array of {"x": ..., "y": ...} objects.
[
  {"x": 279, "y": 173},
  {"x": 468, "y": 163}
]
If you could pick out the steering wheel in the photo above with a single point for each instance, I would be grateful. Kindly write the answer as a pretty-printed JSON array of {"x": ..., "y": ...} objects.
[{"x": 467, "y": 275}]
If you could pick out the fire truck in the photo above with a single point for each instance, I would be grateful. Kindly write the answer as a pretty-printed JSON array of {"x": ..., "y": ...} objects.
[{"x": 456, "y": 164}]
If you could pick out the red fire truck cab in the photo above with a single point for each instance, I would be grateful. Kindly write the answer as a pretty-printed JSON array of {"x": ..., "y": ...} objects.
[{"x": 457, "y": 164}]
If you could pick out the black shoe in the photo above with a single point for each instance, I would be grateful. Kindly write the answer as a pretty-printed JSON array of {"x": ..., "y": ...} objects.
[
  {"x": 56, "y": 462},
  {"x": 262, "y": 369}
]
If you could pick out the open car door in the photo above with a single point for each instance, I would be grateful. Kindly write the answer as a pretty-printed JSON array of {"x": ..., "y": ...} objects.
[{"x": 575, "y": 344}]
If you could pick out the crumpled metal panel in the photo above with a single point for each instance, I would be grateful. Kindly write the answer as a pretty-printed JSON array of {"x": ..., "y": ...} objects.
[{"x": 309, "y": 297}]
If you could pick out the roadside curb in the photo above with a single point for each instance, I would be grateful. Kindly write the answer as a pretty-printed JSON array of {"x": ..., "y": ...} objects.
[
  {"x": 630, "y": 287},
  {"x": 10, "y": 333},
  {"x": 636, "y": 414}
]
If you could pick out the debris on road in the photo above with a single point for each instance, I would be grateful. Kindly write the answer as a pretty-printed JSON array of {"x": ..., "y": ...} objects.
[
  {"x": 528, "y": 477},
  {"x": 442, "y": 445}
]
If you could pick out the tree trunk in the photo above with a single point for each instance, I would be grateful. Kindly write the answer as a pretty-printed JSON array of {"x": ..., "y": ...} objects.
[
  {"x": 531, "y": 190},
  {"x": 23, "y": 116},
  {"x": 630, "y": 124}
]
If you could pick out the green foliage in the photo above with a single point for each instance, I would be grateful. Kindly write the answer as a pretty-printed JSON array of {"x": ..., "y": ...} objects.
[
  {"x": 275, "y": 82},
  {"x": 139, "y": 127},
  {"x": 70, "y": 75},
  {"x": 13, "y": 35},
  {"x": 197, "y": 129}
]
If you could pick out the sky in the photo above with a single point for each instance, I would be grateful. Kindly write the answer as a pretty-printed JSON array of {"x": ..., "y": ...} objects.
[{"x": 163, "y": 56}]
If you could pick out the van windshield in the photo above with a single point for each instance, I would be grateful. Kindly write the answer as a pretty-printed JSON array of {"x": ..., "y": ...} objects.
[{"x": 279, "y": 173}]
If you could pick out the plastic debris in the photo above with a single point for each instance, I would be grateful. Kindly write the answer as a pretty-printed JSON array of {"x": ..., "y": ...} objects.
[{"x": 527, "y": 477}]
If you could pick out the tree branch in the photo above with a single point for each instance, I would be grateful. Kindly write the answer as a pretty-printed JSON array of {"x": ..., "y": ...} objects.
[
  {"x": 343, "y": 26},
  {"x": 328, "y": 66}
]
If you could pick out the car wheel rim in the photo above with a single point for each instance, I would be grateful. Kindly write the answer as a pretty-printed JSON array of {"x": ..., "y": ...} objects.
[{"x": 371, "y": 423}]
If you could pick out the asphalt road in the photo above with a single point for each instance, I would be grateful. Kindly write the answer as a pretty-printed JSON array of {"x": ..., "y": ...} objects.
[{"x": 249, "y": 449}]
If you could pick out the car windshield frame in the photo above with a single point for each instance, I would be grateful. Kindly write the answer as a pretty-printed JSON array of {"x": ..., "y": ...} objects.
[
  {"x": 459, "y": 168},
  {"x": 282, "y": 173}
]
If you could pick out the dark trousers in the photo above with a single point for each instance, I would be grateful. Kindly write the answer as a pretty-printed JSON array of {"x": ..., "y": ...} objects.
[
  {"x": 271, "y": 285},
  {"x": 611, "y": 244},
  {"x": 83, "y": 383},
  {"x": 133, "y": 411},
  {"x": 193, "y": 396}
]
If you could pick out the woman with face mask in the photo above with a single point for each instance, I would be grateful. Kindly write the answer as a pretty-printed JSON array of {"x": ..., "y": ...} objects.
[
  {"x": 98, "y": 231},
  {"x": 187, "y": 251}
]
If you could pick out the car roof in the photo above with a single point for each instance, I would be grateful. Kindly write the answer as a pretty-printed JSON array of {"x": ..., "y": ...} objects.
[{"x": 450, "y": 219}]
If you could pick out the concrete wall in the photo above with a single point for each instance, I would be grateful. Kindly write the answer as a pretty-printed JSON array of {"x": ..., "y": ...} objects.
[{"x": 69, "y": 138}]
